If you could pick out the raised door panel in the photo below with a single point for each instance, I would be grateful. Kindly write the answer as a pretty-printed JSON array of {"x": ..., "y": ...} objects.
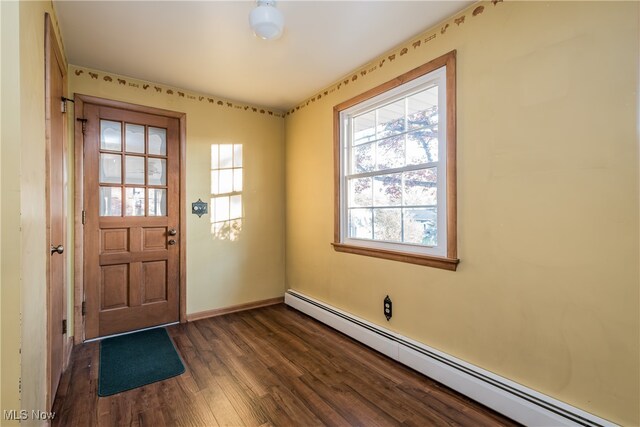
[
  {"x": 114, "y": 240},
  {"x": 154, "y": 282},
  {"x": 114, "y": 285},
  {"x": 154, "y": 238}
]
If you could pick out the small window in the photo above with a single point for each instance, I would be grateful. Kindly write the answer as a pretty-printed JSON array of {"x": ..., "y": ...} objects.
[{"x": 395, "y": 168}]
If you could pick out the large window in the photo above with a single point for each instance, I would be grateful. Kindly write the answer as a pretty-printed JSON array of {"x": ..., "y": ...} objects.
[{"x": 395, "y": 168}]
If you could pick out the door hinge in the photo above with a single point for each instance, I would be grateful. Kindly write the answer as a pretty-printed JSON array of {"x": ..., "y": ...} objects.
[
  {"x": 63, "y": 104},
  {"x": 84, "y": 308},
  {"x": 84, "y": 217},
  {"x": 64, "y": 326},
  {"x": 84, "y": 125}
]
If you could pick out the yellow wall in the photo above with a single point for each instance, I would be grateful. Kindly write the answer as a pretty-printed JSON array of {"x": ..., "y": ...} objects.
[
  {"x": 546, "y": 293},
  {"x": 24, "y": 242},
  {"x": 9, "y": 208},
  {"x": 221, "y": 272}
]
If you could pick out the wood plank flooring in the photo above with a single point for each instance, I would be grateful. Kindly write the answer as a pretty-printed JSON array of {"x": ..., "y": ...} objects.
[{"x": 268, "y": 366}]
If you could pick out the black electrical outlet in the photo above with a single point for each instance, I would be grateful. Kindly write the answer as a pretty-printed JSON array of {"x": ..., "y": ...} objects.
[{"x": 388, "y": 308}]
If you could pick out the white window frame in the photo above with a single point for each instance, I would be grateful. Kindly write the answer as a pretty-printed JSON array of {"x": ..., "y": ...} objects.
[
  {"x": 434, "y": 78},
  {"x": 439, "y": 72}
]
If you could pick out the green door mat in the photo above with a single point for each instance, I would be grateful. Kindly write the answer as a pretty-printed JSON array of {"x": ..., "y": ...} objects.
[{"x": 136, "y": 359}]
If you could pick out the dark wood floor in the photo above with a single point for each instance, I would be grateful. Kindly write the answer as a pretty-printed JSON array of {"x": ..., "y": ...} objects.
[{"x": 269, "y": 366}]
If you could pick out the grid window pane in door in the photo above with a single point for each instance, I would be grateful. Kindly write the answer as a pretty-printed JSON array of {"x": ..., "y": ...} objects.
[
  {"x": 157, "y": 202},
  {"x": 134, "y": 201},
  {"x": 134, "y": 138},
  {"x": 110, "y": 201},
  {"x": 110, "y": 135},
  {"x": 156, "y": 171},
  {"x": 134, "y": 170},
  {"x": 157, "y": 141},
  {"x": 110, "y": 168}
]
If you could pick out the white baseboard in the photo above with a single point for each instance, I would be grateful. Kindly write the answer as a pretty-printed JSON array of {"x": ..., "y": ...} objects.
[{"x": 511, "y": 399}]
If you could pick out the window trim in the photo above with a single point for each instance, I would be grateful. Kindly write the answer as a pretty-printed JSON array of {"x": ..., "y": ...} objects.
[{"x": 450, "y": 261}]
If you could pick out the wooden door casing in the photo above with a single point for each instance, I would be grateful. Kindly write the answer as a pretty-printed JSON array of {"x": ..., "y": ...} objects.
[
  {"x": 131, "y": 273},
  {"x": 55, "y": 81}
]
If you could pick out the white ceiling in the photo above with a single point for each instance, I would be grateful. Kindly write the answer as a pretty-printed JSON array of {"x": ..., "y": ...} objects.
[{"x": 207, "y": 46}]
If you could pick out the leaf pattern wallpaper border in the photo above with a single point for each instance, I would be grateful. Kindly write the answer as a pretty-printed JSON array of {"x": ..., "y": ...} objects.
[
  {"x": 405, "y": 49},
  {"x": 171, "y": 91}
]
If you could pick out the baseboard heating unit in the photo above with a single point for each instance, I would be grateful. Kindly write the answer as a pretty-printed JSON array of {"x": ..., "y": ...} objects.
[{"x": 511, "y": 399}]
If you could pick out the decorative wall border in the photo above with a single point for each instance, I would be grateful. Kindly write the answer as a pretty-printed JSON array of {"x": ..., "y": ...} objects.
[
  {"x": 407, "y": 48},
  {"x": 397, "y": 54},
  {"x": 83, "y": 72}
]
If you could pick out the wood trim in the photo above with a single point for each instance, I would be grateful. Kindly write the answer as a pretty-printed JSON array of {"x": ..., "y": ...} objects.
[
  {"x": 80, "y": 100},
  {"x": 451, "y": 261},
  {"x": 234, "y": 308},
  {"x": 51, "y": 44},
  {"x": 426, "y": 260},
  {"x": 78, "y": 252},
  {"x": 104, "y": 102},
  {"x": 48, "y": 28},
  {"x": 420, "y": 71},
  {"x": 337, "y": 167},
  {"x": 452, "y": 188},
  {"x": 183, "y": 219}
]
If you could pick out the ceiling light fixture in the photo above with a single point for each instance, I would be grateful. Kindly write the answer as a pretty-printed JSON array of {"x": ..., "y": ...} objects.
[{"x": 266, "y": 21}]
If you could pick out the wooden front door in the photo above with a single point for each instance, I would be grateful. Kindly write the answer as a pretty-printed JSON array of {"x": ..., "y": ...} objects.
[
  {"x": 55, "y": 73},
  {"x": 132, "y": 214}
]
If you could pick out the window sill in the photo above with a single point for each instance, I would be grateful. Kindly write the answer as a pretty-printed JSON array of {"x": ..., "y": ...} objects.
[{"x": 426, "y": 260}]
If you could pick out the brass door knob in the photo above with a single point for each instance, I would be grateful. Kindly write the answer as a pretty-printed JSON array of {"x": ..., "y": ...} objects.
[{"x": 172, "y": 232}]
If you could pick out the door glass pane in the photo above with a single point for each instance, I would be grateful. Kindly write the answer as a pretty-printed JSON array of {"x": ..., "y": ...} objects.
[
  {"x": 134, "y": 172},
  {"x": 110, "y": 201},
  {"x": 158, "y": 141},
  {"x": 134, "y": 138},
  {"x": 110, "y": 168},
  {"x": 157, "y": 202},
  {"x": 157, "y": 171},
  {"x": 135, "y": 201},
  {"x": 110, "y": 135}
]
